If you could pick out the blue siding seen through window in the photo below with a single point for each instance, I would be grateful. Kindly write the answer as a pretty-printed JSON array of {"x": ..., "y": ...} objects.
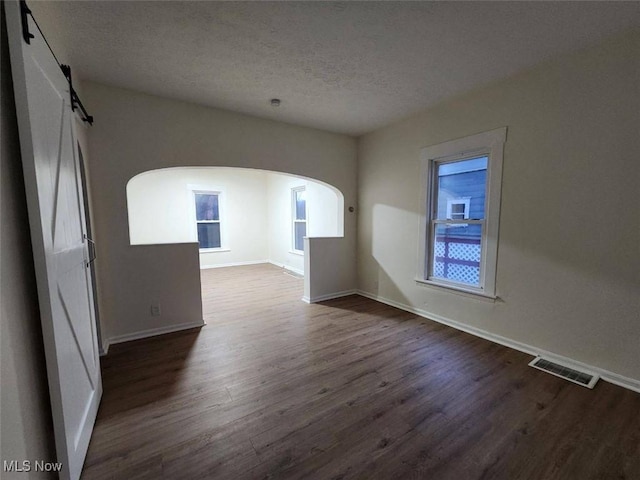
[
  {"x": 458, "y": 246},
  {"x": 466, "y": 178}
]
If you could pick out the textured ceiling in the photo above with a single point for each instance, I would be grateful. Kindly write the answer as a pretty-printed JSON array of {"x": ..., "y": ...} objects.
[{"x": 347, "y": 67}]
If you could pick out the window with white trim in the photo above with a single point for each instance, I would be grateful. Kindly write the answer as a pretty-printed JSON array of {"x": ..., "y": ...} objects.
[
  {"x": 208, "y": 223},
  {"x": 461, "y": 211},
  {"x": 299, "y": 218},
  {"x": 458, "y": 208}
]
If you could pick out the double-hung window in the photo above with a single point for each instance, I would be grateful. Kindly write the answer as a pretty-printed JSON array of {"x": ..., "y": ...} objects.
[
  {"x": 208, "y": 220},
  {"x": 461, "y": 202},
  {"x": 299, "y": 218}
]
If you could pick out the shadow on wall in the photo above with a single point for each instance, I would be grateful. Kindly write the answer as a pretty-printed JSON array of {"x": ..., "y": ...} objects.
[{"x": 386, "y": 239}]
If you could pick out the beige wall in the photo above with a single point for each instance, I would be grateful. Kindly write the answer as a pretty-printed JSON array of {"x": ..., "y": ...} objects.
[
  {"x": 324, "y": 279},
  {"x": 24, "y": 408},
  {"x": 568, "y": 256},
  {"x": 325, "y": 211},
  {"x": 135, "y": 132},
  {"x": 166, "y": 276}
]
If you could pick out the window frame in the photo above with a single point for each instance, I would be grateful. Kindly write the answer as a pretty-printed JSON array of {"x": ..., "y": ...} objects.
[
  {"x": 295, "y": 220},
  {"x": 491, "y": 145},
  {"x": 221, "y": 217}
]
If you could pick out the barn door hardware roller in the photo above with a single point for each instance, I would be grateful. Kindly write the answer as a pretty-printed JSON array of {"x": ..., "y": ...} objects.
[
  {"x": 75, "y": 100},
  {"x": 25, "y": 11}
]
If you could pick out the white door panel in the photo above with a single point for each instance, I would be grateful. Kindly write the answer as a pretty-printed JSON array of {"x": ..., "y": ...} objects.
[{"x": 56, "y": 216}]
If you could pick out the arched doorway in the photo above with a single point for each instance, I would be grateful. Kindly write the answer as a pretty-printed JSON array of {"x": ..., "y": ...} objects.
[{"x": 238, "y": 216}]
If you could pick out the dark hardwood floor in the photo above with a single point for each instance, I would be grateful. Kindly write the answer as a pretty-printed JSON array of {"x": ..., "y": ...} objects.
[{"x": 273, "y": 388}]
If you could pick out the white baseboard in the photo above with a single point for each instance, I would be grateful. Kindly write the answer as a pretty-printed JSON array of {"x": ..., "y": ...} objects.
[
  {"x": 154, "y": 331},
  {"x": 620, "y": 380},
  {"x": 286, "y": 267},
  {"x": 234, "y": 264},
  {"x": 103, "y": 349},
  {"x": 329, "y": 296}
]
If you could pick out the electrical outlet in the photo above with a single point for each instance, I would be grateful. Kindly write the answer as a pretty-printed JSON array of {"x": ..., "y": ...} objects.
[{"x": 155, "y": 310}]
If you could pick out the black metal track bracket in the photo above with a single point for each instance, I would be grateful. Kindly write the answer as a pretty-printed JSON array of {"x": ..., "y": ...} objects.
[
  {"x": 24, "y": 14},
  {"x": 75, "y": 100},
  {"x": 85, "y": 115},
  {"x": 66, "y": 71}
]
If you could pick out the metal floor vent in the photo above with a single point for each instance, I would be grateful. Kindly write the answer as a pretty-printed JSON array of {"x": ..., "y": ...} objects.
[{"x": 581, "y": 378}]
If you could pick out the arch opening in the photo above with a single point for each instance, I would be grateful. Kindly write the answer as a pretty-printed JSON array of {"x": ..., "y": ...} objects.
[{"x": 250, "y": 219}]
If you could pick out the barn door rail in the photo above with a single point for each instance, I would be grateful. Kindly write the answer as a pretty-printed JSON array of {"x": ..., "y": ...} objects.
[{"x": 25, "y": 12}]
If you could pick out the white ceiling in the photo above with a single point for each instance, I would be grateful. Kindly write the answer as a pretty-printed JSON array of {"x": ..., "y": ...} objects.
[{"x": 347, "y": 67}]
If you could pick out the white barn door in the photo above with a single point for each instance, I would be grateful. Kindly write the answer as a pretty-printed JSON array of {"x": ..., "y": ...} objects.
[{"x": 61, "y": 253}]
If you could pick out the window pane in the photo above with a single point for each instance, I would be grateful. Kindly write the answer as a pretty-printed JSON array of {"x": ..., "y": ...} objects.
[
  {"x": 300, "y": 231},
  {"x": 209, "y": 235},
  {"x": 460, "y": 181},
  {"x": 301, "y": 205},
  {"x": 457, "y": 252},
  {"x": 457, "y": 209},
  {"x": 207, "y": 207}
]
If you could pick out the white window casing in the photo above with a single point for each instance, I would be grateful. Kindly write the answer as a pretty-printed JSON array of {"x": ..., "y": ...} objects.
[{"x": 491, "y": 145}]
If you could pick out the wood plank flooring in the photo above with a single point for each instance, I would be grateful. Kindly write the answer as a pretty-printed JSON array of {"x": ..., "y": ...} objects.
[{"x": 273, "y": 388}]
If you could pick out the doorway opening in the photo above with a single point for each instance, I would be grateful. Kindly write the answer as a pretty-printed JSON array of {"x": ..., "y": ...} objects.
[{"x": 238, "y": 216}]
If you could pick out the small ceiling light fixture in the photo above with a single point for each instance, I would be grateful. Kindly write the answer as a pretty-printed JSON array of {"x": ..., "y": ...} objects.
[{"x": 275, "y": 102}]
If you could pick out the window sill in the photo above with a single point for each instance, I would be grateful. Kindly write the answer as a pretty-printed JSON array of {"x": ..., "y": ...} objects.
[
  {"x": 297, "y": 252},
  {"x": 213, "y": 250},
  {"x": 465, "y": 292}
]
